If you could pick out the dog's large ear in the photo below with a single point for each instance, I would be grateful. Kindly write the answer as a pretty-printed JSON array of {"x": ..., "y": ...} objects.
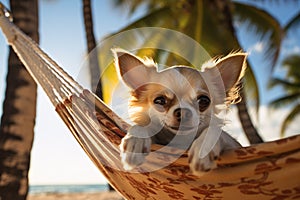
[
  {"x": 232, "y": 69},
  {"x": 132, "y": 70}
]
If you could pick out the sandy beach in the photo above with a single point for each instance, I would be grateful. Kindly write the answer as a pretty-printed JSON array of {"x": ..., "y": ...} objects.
[{"x": 76, "y": 196}]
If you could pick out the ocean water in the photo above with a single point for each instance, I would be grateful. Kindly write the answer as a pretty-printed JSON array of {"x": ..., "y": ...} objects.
[{"x": 42, "y": 189}]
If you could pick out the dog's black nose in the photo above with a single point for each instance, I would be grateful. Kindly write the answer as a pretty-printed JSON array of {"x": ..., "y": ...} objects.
[{"x": 182, "y": 114}]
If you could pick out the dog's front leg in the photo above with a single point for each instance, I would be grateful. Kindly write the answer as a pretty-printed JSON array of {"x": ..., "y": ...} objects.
[
  {"x": 201, "y": 158},
  {"x": 135, "y": 146}
]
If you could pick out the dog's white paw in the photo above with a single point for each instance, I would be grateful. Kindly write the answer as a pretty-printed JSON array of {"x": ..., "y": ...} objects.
[
  {"x": 134, "y": 149},
  {"x": 201, "y": 160}
]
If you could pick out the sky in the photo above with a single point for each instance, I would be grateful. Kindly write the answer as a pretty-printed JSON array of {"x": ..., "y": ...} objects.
[{"x": 56, "y": 156}]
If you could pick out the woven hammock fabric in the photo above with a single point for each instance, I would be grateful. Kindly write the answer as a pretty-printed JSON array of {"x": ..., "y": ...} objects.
[{"x": 264, "y": 171}]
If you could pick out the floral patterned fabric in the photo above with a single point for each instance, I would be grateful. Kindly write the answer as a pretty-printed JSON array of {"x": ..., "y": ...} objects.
[{"x": 265, "y": 171}]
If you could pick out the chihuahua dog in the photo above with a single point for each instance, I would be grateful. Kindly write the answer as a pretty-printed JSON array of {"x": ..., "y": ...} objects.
[{"x": 178, "y": 106}]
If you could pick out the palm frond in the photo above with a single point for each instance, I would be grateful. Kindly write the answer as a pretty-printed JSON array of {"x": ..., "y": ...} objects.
[
  {"x": 197, "y": 14},
  {"x": 291, "y": 117},
  {"x": 292, "y": 64},
  {"x": 153, "y": 19},
  {"x": 264, "y": 25},
  {"x": 193, "y": 27},
  {"x": 217, "y": 36},
  {"x": 286, "y": 84},
  {"x": 285, "y": 100},
  {"x": 293, "y": 23},
  {"x": 130, "y": 5},
  {"x": 174, "y": 59}
]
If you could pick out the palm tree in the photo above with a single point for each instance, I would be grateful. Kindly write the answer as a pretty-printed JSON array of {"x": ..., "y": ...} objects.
[
  {"x": 211, "y": 23},
  {"x": 19, "y": 111},
  {"x": 291, "y": 86},
  {"x": 91, "y": 44},
  {"x": 291, "y": 82}
]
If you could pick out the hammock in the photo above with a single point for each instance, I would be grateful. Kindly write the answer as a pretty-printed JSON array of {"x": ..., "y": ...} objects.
[{"x": 265, "y": 171}]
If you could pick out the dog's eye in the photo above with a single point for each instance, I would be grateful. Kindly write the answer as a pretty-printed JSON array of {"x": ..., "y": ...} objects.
[
  {"x": 203, "y": 102},
  {"x": 161, "y": 100}
]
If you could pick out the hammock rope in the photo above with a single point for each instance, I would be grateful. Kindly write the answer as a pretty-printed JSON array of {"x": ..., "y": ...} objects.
[{"x": 264, "y": 171}]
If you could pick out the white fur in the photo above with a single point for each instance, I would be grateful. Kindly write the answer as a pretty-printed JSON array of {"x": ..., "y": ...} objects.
[{"x": 200, "y": 131}]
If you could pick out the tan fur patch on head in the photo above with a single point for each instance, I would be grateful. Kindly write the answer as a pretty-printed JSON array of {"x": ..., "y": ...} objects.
[{"x": 141, "y": 100}]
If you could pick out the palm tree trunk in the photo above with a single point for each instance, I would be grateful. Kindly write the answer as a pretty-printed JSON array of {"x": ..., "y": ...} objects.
[
  {"x": 91, "y": 43},
  {"x": 225, "y": 19},
  {"x": 246, "y": 122},
  {"x": 19, "y": 111}
]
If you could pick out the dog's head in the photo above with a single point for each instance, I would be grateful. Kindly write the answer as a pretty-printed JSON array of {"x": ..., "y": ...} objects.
[{"x": 179, "y": 99}]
